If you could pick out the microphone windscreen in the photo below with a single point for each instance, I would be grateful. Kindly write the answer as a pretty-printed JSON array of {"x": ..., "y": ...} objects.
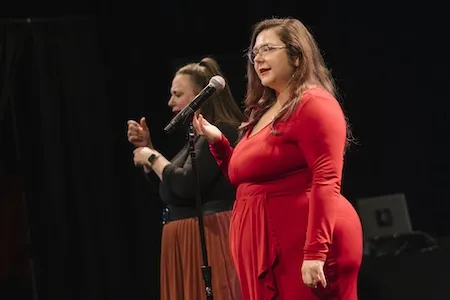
[{"x": 217, "y": 82}]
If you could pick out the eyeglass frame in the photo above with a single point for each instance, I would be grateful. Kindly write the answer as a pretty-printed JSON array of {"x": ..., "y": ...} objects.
[{"x": 251, "y": 54}]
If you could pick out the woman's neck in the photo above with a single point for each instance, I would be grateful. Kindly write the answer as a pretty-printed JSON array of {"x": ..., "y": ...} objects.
[{"x": 282, "y": 97}]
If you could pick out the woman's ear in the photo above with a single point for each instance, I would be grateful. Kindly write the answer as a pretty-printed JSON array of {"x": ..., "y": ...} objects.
[{"x": 297, "y": 62}]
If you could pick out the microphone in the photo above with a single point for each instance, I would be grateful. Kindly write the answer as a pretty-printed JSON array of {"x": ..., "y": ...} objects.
[{"x": 216, "y": 83}]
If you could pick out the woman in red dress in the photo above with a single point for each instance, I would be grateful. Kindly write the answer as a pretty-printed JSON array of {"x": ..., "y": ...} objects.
[{"x": 292, "y": 234}]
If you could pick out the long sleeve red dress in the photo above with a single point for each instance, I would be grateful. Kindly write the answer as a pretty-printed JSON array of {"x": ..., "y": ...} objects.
[{"x": 289, "y": 206}]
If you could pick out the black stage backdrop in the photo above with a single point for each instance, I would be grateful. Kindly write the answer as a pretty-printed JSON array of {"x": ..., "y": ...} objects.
[
  {"x": 68, "y": 85},
  {"x": 90, "y": 232}
]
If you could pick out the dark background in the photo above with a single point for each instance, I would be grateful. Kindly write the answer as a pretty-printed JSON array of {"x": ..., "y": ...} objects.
[{"x": 69, "y": 83}]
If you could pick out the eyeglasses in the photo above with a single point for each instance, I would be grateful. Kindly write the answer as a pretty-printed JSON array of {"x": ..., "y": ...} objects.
[{"x": 263, "y": 51}]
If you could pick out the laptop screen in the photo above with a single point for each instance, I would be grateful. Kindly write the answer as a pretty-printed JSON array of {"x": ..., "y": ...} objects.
[{"x": 384, "y": 215}]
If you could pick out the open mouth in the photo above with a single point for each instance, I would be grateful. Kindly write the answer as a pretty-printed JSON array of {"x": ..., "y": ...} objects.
[{"x": 263, "y": 71}]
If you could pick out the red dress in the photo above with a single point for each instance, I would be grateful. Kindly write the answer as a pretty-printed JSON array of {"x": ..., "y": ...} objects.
[{"x": 289, "y": 206}]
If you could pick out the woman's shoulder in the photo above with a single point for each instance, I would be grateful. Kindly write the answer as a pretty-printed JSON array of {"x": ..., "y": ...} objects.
[
  {"x": 316, "y": 94},
  {"x": 316, "y": 100}
]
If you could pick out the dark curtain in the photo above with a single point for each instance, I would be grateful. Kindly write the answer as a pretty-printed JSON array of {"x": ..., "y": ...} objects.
[
  {"x": 15, "y": 279},
  {"x": 82, "y": 239}
]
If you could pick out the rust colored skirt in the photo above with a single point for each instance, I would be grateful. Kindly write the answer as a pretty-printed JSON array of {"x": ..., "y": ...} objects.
[{"x": 181, "y": 259}]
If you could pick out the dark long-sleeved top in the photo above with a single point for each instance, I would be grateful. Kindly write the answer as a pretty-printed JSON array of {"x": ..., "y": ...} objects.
[{"x": 178, "y": 185}]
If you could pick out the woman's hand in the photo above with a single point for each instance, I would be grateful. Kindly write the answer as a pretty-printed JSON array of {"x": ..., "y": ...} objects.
[
  {"x": 206, "y": 129},
  {"x": 139, "y": 134},
  {"x": 312, "y": 273},
  {"x": 141, "y": 155}
]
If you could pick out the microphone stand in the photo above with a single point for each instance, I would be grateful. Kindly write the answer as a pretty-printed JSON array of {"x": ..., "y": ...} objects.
[{"x": 206, "y": 269}]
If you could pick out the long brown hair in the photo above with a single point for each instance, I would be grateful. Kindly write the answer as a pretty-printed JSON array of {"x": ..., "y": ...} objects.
[
  {"x": 221, "y": 107},
  {"x": 312, "y": 71}
]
